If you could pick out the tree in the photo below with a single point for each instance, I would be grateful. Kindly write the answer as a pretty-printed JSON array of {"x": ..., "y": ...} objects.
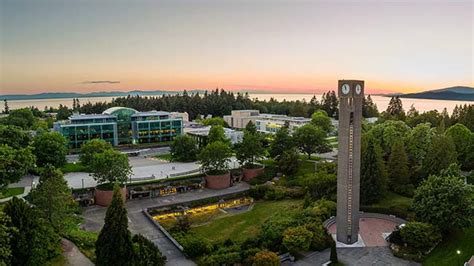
[
  {"x": 214, "y": 158},
  {"x": 388, "y": 132},
  {"x": 395, "y": 109},
  {"x": 53, "y": 198},
  {"x": 34, "y": 241},
  {"x": 369, "y": 108},
  {"x": 321, "y": 119},
  {"x": 265, "y": 258},
  {"x": 440, "y": 155},
  {"x": 7, "y": 232},
  {"x": 421, "y": 236},
  {"x": 217, "y": 133},
  {"x": 372, "y": 177},
  {"x": 250, "y": 149},
  {"x": 310, "y": 139},
  {"x": 6, "y": 109},
  {"x": 297, "y": 239},
  {"x": 110, "y": 166},
  {"x": 418, "y": 142},
  {"x": 184, "y": 149},
  {"x": 288, "y": 161},
  {"x": 146, "y": 253},
  {"x": 50, "y": 148},
  {"x": 14, "y": 164},
  {"x": 14, "y": 136},
  {"x": 282, "y": 142},
  {"x": 22, "y": 118},
  {"x": 214, "y": 121},
  {"x": 444, "y": 201},
  {"x": 114, "y": 244},
  {"x": 320, "y": 185},
  {"x": 92, "y": 147},
  {"x": 251, "y": 128},
  {"x": 399, "y": 175},
  {"x": 333, "y": 256},
  {"x": 463, "y": 140}
]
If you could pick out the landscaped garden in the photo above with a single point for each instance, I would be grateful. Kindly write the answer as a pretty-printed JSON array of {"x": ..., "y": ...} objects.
[{"x": 10, "y": 192}]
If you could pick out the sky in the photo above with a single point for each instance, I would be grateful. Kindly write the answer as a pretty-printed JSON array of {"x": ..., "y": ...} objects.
[{"x": 284, "y": 46}]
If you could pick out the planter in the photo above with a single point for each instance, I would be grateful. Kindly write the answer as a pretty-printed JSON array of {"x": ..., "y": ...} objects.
[
  {"x": 250, "y": 173},
  {"x": 218, "y": 181},
  {"x": 104, "y": 197}
]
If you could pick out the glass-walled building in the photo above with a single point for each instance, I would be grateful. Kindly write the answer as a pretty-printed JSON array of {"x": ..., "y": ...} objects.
[{"x": 120, "y": 125}]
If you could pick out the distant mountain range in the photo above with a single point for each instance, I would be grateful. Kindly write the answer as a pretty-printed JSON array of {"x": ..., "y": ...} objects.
[{"x": 458, "y": 93}]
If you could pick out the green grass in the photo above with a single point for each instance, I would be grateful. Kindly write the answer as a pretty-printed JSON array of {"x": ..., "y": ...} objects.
[
  {"x": 74, "y": 167},
  {"x": 57, "y": 261},
  {"x": 241, "y": 226},
  {"x": 10, "y": 192},
  {"x": 392, "y": 200},
  {"x": 445, "y": 252},
  {"x": 166, "y": 157}
]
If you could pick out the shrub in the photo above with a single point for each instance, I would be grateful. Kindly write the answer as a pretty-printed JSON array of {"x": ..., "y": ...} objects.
[
  {"x": 297, "y": 239},
  {"x": 265, "y": 258},
  {"x": 258, "y": 192},
  {"x": 146, "y": 253},
  {"x": 320, "y": 239},
  {"x": 321, "y": 185},
  {"x": 272, "y": 230},
  {"x": 323, "y": 209},
  {"x": 195, "y": 246},
  {"x": 229, "y": 258},
  {"x": 421, "y": 236}
]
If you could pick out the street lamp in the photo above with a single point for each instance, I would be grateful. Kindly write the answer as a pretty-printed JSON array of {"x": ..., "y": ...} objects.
[{"x": 459, "y": 253}]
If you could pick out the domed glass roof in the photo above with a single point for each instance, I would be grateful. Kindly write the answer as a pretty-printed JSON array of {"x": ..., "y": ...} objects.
[{"x": 122, "y": 113}]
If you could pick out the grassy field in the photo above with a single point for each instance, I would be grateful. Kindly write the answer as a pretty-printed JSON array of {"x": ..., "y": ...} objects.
[
  {"x": 73, "y": 167},
  {"x": 394, "y": 200},
  {"x": 241, "y": 226},
  {"x": 445, "y": 252},
  {"x": 10, "y": 192}
]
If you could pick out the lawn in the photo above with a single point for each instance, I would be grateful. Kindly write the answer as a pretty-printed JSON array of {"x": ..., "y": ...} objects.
[
  {"x": 392, "y": 203},
  {"x": 445, "y": 252},
  {"x": 241, "y": 226},
  {"x": 10, "y": 192},
  {"x": 166, "y": 157},
  {"x": 74, "y": 167}
]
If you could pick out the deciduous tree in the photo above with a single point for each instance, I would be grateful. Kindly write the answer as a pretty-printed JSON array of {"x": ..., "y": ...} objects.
[
  {"x": 440, "y": 155},
  {"x": 282, "y": 142},
  {"x": 14, "y": 164},
  {"x": 50, "y": 148},
  {"x": 92, "y": 147},
  {"x": 310, "y": 139},
  {"x": 321, "y": 119},
  {"x": 110, "y": 166},
  {"x": 14, "y": 136},
  {"x": 214, "y": 158},
  {"x": 184, "y": 149}
]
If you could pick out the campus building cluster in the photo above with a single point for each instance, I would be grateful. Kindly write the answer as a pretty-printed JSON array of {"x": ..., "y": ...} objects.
[
  {"x": 265, "y": 123},
  {"x": 122, "y": 125}
]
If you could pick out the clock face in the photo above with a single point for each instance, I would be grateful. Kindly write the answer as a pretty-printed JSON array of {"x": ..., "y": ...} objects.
[
  {"x": 345, "y": 89},
  {"x": 358, "y": 89}
]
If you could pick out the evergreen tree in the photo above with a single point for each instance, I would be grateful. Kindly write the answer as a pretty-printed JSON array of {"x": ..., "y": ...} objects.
[
  {"x": 441, "y": 154},
  {"x": 34, "y": 241},
  {"x": 369, "y": 108},
  {"x": 114, "y": 244},
  {"x": 399, "y": 175},
  {"x": 372, "y": 178},
  {"x": 395, "y": 109},
  {"x": 333, "y": 256},
  {"x": 6, "y": 110},
  {"x": 53, "y": 198},
  {"x": 146, "y": 253},
  {"x": 251, "y": 128},
  {"x": 6, "y": 233}
]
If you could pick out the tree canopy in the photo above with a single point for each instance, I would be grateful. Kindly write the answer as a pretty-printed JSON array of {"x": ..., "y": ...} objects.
[
  {"x": 250, "y": 149},
  {"x": 310, "y": 139},
  {"x": 321, "y": 119},
  {"x": 14, "y": 136},
  {"x": 50, "y": 148},
  {"x": 214, "y": 158},
  {"x": 184, "y": 149},
  {"x": 372, "y": 177},
  {"x": 92, "y": 147},
  {"x": 14, "y": 164},
  {"x": 110, "y": 166}
]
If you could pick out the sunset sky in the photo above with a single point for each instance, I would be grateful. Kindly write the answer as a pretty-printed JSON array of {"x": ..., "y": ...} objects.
[{"x": 277, "y": 46}]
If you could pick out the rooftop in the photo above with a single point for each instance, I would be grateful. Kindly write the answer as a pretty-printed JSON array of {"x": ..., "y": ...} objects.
[
  {"x": 150, "y": 113},
  {"x": 90, "y": 116}
]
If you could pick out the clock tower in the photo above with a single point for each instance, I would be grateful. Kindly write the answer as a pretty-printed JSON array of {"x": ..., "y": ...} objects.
[{"x": 351, "y": 94}]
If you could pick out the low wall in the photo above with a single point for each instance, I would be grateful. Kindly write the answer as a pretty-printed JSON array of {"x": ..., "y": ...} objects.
[
  {"x": 163, "y": 230},
  {"x": 218, "y": 181},
  {"x": 104, "y": 197},
  {"x": 250, "y": 173},
  {"x": 391, "y": 218}
]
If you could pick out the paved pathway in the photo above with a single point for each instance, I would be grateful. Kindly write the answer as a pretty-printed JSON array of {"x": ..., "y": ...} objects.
[
  {"x": 356, "y": 257},
  {"x": 73, "y": 255},
  {"x": 138, "y": 223},
  {"x": 25, "y": 192}
]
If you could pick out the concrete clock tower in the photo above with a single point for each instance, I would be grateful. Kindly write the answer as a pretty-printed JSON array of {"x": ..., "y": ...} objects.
[{"x": 351, "y": 94}]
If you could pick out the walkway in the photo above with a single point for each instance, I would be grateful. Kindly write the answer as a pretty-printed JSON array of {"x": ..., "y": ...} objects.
[
  {"x": 139, "y": 224},
  {"x": 356, "y": 257},
  {"x": 73, "y": 255}
]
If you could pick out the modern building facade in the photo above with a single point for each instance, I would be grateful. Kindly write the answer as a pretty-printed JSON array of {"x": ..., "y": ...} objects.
[
  {"x": 120, "y": 125},
  {"x": 265, "y": 123},
  {"x": 351, "y": 93}
]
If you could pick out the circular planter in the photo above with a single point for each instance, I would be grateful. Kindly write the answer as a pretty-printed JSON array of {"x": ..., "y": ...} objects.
[
  {"x": 104, "y": 197},
  {"x": 250, "y": 173},
  {"x": 218, "y": 181}
]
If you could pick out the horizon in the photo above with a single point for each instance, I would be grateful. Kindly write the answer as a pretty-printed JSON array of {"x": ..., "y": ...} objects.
[{"x": 271, "y": 47}]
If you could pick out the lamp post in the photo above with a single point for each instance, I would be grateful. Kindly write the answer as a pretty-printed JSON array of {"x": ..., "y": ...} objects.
[{"x": 458, "y": 252}]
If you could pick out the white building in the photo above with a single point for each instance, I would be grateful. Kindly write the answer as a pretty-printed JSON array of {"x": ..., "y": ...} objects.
[
  {"x": 198, "y": 132},
  {"x": 266, "y": 123}
]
